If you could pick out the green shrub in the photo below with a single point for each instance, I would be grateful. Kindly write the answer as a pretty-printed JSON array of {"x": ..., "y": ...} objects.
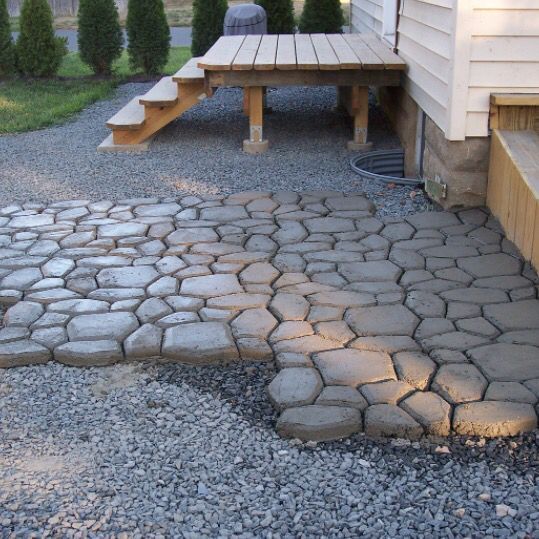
[
  {"x": 39, "y": 52},
  {"x": 208, "y": 19},
  {"x": 321, "y": 16},
  {"x": 148, "y": 35},
  {"x": 100, "y": 36},
  {"x": 280, "y": 16},
  {"x": 7, "y": 49}
]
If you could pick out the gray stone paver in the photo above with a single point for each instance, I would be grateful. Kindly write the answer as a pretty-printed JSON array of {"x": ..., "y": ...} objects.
[{"x": 401, "y": 327}]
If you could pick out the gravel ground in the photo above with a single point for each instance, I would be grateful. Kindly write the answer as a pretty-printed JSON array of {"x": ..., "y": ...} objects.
[
  {"x": 200, "y": 152},
  {"x": 144, "y": 450}
]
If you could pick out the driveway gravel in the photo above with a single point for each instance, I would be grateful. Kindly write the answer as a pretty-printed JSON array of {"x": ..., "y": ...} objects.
[
  {"x": 199, "y": 153},
  {"x": 145, "y": 450}
]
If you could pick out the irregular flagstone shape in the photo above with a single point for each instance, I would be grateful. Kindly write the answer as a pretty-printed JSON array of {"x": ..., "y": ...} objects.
[
  {"x": 295, "y": 386},
  {"x": 509, "y": 391},
  {"x": 415, "y": 368},
  {"x": 388, "y": 420},
  {"x": 200, "y": 343},
  {"x": 507, "y": 362},
  {"x": 432, "y": 219},
  {"x": 342, "y": 396},
  {"x": 13, "y": 333},
  {"x": 209, "y": 286},
  {"x": 306, "y": 345},
  {"x": 329, "y": 224},
  {"x": 31, "y": 221},
  {"x": 319, "y": 423},
  {"x": 23, "y": 352},
  {"x": 526, "y": 336},
  {"x": 425, "y": 304},
  {"x": 239, "y": 301},
  {"x": 455, "y": 340},
  {"x": 79, "y": 306},
  {"x": 259, "y": 273},
  {"x": 430, "y": 410},
  {"x": 224, "y": 214},
  {"x": 350, "y": 203},
  {"x": 494, "y": 418},
  {"x": 121, "y": 230},
  {"x": 254, "y": 349},
  {"x": 58, "y": 267},
  {"x": 344, "y": 299},
  {"x": 492, "y": 265},
  {"x": 128, "y": 277},
  {"x": 514, "y": 316},
  {"x": 144, "y": 343},
  {"x": 109, "y": 326},
  {"x": 289, "y": 307},
  {"x": 382, "y": 320},
  {"x": 21, "y": 279},
  {"x": 390, "y": 344},
  {"x": 291, "y": 330},
  {"x": 254, "y": 323},
  {"x": 152, "y": 309},
  {"x": 353, "y": 367},
  {"x": 479, "y": 296},
  {"x": 158, "y": 210},
  {"x": 388, "y": 392},
  {"x": 290, "y": 232},
  {"x": 459, "y": 382},
  {"x": 190, "y": 236},
  {"x": 23, "y": 314},
  {"x": 381, "y": 270},
  {"x": 88, "y": 353},
  {"x": 178, "y": 318},
  {"x": 50, "y": 337},
  {"x": 117, "y": 294}
]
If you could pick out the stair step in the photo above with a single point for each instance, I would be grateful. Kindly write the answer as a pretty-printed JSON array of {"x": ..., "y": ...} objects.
[
  {"x": 131, "y": 117},
  {"x": 163, "y": 94},
  {"x": 190, "y": 72}
]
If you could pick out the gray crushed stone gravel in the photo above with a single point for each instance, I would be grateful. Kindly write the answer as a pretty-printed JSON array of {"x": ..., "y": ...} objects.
[
  {"x": 141, "y": 450},
  {"x": 199, "y": 153}
]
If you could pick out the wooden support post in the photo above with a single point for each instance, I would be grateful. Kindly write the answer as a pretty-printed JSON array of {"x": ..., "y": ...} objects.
[
  {"x": 246, "y": 101},
  {"x": 256, "y": 142},
  {"x": 359, "y": 109}
]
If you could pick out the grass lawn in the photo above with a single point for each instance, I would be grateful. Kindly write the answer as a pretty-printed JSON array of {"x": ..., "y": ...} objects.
[{"x": 29, "y": 105}]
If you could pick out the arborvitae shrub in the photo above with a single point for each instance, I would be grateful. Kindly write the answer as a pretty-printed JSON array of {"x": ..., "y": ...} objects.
[
  {"x": 280, "y": 16},
  {"x": 39, "y": 52},
  {"x": 7, "y": 48},
  {"x": 321, "y": 16},
  {"x": 208, "y": 19},
  {"x": 148, "y": 35},
  {"x": 100, "y": 36}
]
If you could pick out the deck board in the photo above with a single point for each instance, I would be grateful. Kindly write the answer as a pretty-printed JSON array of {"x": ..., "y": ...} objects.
[
  {"x": 286, "y": 53},
  {"x": 305, "y": 56},
  {"x": 327, "y": 59},
  {"x": 368, "y": 58},
  {"x": 246, "y": 55},
  {"x": 222, "y": 54},
  {"x": 267, "y": 53},
  {"x": 347, "y": 58}
]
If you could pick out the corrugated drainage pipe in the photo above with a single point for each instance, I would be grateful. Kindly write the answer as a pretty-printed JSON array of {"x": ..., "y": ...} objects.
[{"x": 383, "y": 165}]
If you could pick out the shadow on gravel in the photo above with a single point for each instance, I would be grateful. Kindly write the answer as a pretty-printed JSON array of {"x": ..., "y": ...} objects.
[{"x": 243, "y": 386}]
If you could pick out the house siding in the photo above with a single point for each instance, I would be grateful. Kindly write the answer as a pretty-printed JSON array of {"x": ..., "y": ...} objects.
[
  {"x": 504, "y": 48},
  {"x": 459, "y": 52}
]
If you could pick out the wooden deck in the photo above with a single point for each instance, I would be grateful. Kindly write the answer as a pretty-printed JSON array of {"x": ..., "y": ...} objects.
[{"x": 351, "y": 62}]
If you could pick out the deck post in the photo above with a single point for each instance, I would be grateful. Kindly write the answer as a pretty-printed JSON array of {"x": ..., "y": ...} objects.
[
  {"x": 256, "y": 143},
  {"x": 360, "y": 115}
]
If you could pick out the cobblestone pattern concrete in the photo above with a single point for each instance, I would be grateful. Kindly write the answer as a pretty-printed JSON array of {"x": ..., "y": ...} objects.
[{"x": 398, "y": 327}]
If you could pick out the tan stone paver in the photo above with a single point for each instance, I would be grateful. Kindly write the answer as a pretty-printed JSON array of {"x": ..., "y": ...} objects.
[{"x": 400, "y": 327}]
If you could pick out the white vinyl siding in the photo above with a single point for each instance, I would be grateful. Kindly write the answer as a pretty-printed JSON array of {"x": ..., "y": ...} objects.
[
  {"x": 459, "y": 52},
  {"x": 504, "y": 49}
]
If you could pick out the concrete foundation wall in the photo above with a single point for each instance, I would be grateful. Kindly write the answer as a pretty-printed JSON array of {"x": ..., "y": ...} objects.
[{"x": 461, "y": 165}]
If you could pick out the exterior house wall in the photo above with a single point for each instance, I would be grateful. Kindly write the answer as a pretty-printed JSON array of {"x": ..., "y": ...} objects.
[{"x": 459, "y": 52}]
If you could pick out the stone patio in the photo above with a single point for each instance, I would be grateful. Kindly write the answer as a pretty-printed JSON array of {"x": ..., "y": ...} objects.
[{"x": 398, "y": 327}]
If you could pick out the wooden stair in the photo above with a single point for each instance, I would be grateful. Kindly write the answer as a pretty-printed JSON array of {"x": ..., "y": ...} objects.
[{"x": 145, "y": 115}]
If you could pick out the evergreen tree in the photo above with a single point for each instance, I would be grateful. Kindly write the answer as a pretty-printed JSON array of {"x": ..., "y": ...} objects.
[
  {"x": 208, "y": 19},
  {"x": 321, "y": 16},
  {"x": 7, "y": 49},
  {"x": 100, "y": 36},
  {"x": 148, "y": 35},
  {"x": 280, "y": 16},
  {"x": 39, "y": 51}
]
